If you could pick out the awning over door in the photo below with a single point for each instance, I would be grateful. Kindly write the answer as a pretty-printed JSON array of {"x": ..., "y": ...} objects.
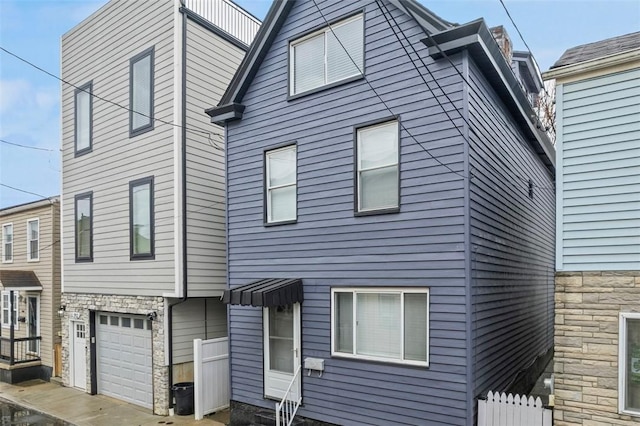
[
  {"x": 20, "y": 281},
  {"x": 266, "y": 292}
]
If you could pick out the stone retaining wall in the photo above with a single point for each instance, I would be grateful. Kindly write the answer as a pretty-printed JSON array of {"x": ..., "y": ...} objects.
[
  {"x": 587, "y": 311},
  {"x": 78, "y": 307}
]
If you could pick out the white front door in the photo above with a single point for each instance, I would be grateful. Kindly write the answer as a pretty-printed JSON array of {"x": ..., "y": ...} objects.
[
  {"x": 33, "y": 326},
  {"x": 281, "y": 350},
  {"x": 78, "y": 368}
]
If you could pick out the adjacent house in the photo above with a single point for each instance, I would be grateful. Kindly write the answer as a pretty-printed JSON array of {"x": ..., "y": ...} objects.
[
  {"x": 30, "y": 291},
  {"x": 143, "y": 199},
  {"x": 390, "y": 217},
  {"x": 597, "y": 325}
]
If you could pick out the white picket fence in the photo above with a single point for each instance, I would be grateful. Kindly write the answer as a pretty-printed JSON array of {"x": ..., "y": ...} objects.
[
  {"x": 500, "y": 409},
  {"x": 211, "y": 376}
]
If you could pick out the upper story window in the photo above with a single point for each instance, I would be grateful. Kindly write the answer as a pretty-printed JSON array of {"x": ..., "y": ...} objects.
[
  {"x": 381, "y": 324},
  {"x": 84, "y": 227},
  {"x": 141, "y": 92},
  {"x": 33, "y": 239},
  {"x": 331, "y": 55},
  {"x": 377, "y": 160},
  {"x": 281, "y": 185},
  {"x": 83, "y": 119},
  {"x": 141, "y": 233},
  {"x": 629, "y": 364},
  {"x": 7, "y": 243}
]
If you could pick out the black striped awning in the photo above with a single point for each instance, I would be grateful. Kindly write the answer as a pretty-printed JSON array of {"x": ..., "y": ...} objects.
[{"x": 267, "y": 292}]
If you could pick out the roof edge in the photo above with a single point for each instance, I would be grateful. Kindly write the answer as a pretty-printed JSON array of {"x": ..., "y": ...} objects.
[
  {"x": 30, "y": 205},
  {"x": 477, "y": 39},
  {"x": 592, "y": 65}
]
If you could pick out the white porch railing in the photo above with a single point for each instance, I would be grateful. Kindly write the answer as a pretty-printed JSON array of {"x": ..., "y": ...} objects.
[
  {"x": 287, "y": 408},
  {"x": 227, "y": 16},
  {"x": 508, "y": 410}
]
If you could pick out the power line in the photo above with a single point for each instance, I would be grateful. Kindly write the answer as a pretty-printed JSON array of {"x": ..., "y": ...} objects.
[
  {"x": 198, "y": 130},
  {"x": 27, "y": 146},
  {"x": 382, "y": 100},
  {"x": 22, "y": 190},
  {"x": 493, "y": 111}
]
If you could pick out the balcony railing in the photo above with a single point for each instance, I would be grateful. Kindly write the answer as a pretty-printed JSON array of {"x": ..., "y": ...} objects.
[
  {"x": 19, "y": 349},
  {"x": 227, "y": 16}
]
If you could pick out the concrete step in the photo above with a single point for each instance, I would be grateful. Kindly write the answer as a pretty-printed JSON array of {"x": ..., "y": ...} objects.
[{"x": 268, "y": 418}]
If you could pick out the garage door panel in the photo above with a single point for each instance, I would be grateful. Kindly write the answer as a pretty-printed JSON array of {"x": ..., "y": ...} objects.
[{"x": 124, "y": 358}]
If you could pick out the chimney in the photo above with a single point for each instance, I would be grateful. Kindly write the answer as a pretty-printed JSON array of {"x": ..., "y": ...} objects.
[{"x": 504, "y": 42}]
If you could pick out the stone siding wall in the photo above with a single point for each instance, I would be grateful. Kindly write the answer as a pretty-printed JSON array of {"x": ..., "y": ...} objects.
[
  {"x": 77, "y": 309},
  {"x": 588, "y": 305}
]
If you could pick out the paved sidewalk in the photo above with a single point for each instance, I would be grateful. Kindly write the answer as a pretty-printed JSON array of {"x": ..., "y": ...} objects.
[{"x": 80, "y": 408}]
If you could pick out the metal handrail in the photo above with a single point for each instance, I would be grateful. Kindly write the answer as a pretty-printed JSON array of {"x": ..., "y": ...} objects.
[{"x": 288, "y": 407}]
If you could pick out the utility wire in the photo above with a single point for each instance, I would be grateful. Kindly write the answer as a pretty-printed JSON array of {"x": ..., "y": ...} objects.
[
  {"x": 40, "y": 249},
  {"x": 26, "y": 192},
  {"x": 382, "y": 100},
  {"x": 27, "y": 146},
  {"x": 493, "y": 112},
  {"x": 197, "y": 129}
]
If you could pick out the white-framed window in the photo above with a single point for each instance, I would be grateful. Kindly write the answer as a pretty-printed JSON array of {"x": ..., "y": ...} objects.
[
  {"x": 7, "y": 243},
  {"x": 281, "y": 184},
  {"x": 330, "y": 55},
  {"x": 83, "y": 131},
  {"x": 141, "y": 92},
  {"x": 6, "y": 309},
  {"x": 377, "y": 167},
  {"x": 381, "y": 324},
  {"x": 33, "y": 239},
  {"x": 629, "y": 364}
]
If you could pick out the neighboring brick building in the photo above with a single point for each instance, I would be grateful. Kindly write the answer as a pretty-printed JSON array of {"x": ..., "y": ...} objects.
[{"x": 597, "y": 326}]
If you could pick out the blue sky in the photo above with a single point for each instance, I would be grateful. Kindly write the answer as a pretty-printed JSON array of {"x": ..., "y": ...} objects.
[{"x": 29, "y": 99}]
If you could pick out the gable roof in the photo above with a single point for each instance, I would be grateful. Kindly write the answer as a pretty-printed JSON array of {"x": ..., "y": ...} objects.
[
  {"x": 599, "y": 49},
  {"x": 229, "y": 106}
]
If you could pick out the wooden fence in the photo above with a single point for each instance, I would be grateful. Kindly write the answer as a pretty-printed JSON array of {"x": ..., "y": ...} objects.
[{"x": 509, "y": 410}]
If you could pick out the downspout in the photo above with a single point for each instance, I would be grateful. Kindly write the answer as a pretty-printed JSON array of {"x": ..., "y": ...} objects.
[{"x": 184, "y": 202}]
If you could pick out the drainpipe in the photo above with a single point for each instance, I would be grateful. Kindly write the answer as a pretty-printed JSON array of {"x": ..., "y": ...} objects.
[{"x": 184, "y": 202}]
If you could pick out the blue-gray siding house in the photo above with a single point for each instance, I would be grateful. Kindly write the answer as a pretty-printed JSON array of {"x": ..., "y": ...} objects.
[{"x": 390, "y": 217}]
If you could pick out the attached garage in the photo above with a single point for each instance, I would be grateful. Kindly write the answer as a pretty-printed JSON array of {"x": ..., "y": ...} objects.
[{"x": 124, "y": 357}]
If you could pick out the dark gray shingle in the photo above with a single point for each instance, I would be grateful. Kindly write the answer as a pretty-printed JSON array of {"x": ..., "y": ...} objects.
[{"x": 590, "y": 51}]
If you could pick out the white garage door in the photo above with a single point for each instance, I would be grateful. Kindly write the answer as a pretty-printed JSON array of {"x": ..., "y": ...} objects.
[{"x": 124, "y": 358}]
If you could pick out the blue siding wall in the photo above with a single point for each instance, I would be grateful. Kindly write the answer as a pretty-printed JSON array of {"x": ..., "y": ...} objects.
[
  {"x": 423, "y": 245},
  {"x": 512, "y": 238}
]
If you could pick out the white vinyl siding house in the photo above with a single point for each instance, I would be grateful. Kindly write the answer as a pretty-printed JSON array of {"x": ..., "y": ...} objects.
[
  {"x": 33, "y": 240},
  {"x": 599, "y": 181},
  {"x": 7, "y": 242}
]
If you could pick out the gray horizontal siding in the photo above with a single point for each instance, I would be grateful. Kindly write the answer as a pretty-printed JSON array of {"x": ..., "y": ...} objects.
[
  {"x": 196, "y": 319},
  {"x": 512, "y": 243},
  {"x": 211, "y": 62},
  {"x": 116, "y": 32},
  {"x": 423, "y": 245},
  {"x": 599, "y": 130}
]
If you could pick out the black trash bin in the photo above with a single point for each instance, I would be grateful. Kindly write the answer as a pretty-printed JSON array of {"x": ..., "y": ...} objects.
[{"x": 183, "y": 393}]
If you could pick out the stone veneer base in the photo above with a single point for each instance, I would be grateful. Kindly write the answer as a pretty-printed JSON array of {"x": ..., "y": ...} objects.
[
  {"x": 587, "y": 311},
  {"x": 79, "y": 304}
]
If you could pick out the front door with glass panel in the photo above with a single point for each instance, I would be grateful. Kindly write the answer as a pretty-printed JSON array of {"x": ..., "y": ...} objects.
[
  {"x": 281, "y": 350},
  {"x": 33, "y": 315}
]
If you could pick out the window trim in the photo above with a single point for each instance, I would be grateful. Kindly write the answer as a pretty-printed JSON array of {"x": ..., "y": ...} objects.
[
  {"x": 134, "y": 183},
  {"x": 622, "y": 352},
  {"x": 29, "y": 258},
  {"x": 324, "y": 28},
  {"x": 5, "y": 225},
  {"x": 356, "y": 171},
  {"x": 87, "y": 87},
  {"x": 16, "y": 308},
  {"x": 378, "y": 290},
  {"x": 85, "y": 195},
  {"x": 147, "y": 127},
  {"x": 265, "y": 180}
]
